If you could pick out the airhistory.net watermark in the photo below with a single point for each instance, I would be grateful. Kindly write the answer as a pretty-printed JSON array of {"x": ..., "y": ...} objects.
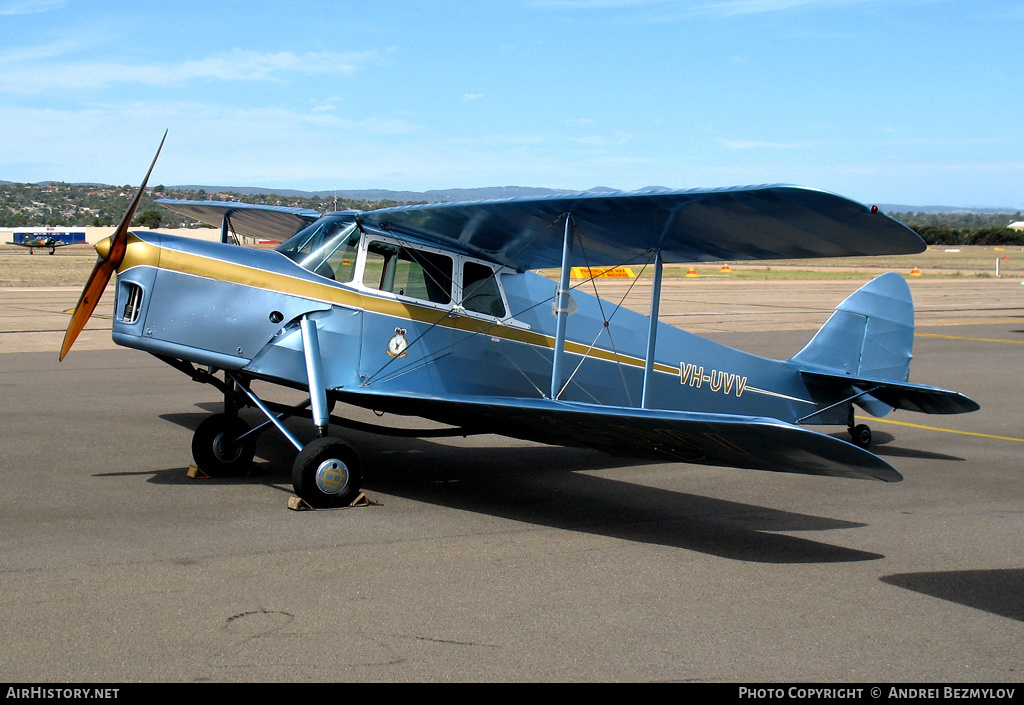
[{"x": 45, "y": 693}]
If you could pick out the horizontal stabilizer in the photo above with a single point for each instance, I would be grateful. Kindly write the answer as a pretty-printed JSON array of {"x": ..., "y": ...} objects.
[
  {"x": 900, "y": 395},
  {"x": 710, "y": 439}
]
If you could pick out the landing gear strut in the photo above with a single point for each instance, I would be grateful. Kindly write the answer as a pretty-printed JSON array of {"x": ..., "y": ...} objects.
[{"x": 326, "y": 472}]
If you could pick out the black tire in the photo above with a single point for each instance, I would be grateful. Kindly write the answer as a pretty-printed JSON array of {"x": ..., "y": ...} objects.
[
  {"x": 326, "y": 473},
  {"x": 216, "y": 458},
  {"x": 861, "y": 436}
]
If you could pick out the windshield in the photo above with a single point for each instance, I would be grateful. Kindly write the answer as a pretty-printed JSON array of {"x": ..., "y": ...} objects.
[{"x": 327, "y": 247}]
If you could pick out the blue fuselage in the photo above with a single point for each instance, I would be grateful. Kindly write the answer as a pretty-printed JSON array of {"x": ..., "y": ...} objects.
[{"x": 237, "y": 308}]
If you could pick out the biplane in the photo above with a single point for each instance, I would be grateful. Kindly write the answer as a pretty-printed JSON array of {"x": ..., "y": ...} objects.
[{"x": 437, "y": 311}]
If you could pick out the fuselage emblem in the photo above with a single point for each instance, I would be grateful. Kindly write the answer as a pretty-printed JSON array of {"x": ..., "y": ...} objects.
[{"x": 398, "y": 344}]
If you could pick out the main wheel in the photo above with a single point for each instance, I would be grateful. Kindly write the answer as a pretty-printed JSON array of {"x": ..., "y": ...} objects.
[
  {"x": 861, "y": 435},
  {"x": 216, "y": 450},
  {"x": 326, "y": 473}
]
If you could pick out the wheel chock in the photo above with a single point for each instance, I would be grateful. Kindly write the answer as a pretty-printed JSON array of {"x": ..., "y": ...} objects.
[
  {"x": 363, "y": 501},
  {"x": 196, "y": 474},
  {"x": 298, "y": 504}
]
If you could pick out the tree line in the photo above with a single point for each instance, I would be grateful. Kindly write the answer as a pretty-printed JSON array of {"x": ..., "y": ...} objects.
[
  {"x": 988, "y": 229},
  {"x": 60, "y": 204}
]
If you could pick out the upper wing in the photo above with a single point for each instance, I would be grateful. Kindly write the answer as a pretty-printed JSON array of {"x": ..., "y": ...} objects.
[
  {"x": 755, "y": 222},
  {"x": 709, "y": 439},
  {"x": 247, "y": 219}
]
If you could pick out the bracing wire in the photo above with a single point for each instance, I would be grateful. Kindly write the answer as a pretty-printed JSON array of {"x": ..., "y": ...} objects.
[
  {"x": 483, "y": 327},
  {"x": 437, "y": 356}
]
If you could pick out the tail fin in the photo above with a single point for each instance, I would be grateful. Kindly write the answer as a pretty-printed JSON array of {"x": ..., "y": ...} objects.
[
  {"x": 865, "y": 347},
  {"x": 871, "y": 334}
]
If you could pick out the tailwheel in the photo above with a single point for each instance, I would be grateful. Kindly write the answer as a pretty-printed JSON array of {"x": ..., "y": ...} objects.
[
  {"x": 219, "y": 450},
  {"x": 326, "y": 473},
  {"x": 861, "y": 435}
]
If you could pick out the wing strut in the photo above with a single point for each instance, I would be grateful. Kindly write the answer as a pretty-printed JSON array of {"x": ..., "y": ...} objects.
[
  {"x": 225, "y": 225},
  {"x": 562, "y": 309},
  {"x": 652, "y": 331}
]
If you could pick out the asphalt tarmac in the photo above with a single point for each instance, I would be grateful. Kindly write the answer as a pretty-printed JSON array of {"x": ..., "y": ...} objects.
[{"x": 489, "y": 559}]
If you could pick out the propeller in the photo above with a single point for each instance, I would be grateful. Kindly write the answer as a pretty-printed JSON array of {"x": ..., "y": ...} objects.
[{"x": 111, "y": 254}]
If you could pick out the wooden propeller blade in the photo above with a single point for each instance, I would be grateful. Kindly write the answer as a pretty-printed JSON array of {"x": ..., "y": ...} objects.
[
  {"x": 94, "y": 287},
  {"x": 105, "y": 266}
]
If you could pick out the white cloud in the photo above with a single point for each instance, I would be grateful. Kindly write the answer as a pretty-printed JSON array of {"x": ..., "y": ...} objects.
[
  {"x": 594, "y": 4},
  {"x": 750, "y": 7},
  {"x": 730, "y": 8},
  {"x": 27, "y": 71},
  {"x": 755, "y": 144},
  {"x": 29, "y": 7},
  {"x": 244, "y": 65},
  {"x": 604, "y": 140},
  {"x": 672, "y": 10},
  {"x": 108, "y": 142}
]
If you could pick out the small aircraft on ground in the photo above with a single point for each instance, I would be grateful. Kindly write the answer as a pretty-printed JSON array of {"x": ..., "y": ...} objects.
[
  {"x": 42, "y": 241},
  {"x": 432, "y": 311}
]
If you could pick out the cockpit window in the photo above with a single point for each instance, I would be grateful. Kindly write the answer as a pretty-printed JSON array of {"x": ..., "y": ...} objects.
[
  {"x": 327, "y": 247},
  {"x": 480, "y": 292},
  {"x": 407, "y": 271}
]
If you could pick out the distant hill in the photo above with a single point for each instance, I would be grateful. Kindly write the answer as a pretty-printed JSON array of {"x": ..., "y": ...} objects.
[
  {"x": 493, "y": 192},
  {"x": 56, "y": 203},
  {"x": 433, "y": 196},
  {"x": 459, "y": 194}
]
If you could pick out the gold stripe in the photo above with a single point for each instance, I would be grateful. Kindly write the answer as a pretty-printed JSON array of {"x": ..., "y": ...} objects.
[
  {"x": 972, "y": 322},
  {"x": 141, "y": 253}
]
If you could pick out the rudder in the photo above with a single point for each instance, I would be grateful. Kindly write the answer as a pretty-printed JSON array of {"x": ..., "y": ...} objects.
[{"x": 870, "y": 334}]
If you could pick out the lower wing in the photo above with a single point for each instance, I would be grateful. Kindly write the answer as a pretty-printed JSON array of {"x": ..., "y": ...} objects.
[{"x": 710, "y": 439}]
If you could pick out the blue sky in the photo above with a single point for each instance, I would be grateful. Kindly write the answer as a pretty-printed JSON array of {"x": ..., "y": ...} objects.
[{"x": 916, "y": 102}]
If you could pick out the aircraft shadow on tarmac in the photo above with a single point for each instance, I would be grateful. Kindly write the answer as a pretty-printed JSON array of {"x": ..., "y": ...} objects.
[
  {"x": 999, "y": 592},
  {"x": 880, "y": 441},
  {"x": 551, "y": 486}
]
